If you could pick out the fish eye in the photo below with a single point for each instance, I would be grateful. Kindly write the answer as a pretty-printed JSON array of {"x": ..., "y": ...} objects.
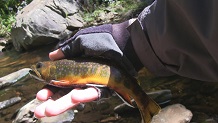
[{"x": 38, "y": 65}]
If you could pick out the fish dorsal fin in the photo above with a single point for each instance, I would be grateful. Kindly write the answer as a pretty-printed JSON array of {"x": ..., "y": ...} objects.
[{"x": 125, "y": 97}]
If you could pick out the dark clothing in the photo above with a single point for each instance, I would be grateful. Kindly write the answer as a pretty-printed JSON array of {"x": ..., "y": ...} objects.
[
  {"x": 178, "y": 37},
  {"x": 169, "y": 37}
]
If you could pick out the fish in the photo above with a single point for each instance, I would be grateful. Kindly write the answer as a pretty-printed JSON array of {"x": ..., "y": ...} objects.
[{"x": 85, "y": 72}]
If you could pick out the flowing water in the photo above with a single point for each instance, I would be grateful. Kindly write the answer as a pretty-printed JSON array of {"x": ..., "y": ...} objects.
[
  {"x": 12, "y": 61},
  {"x": 200, "y": 97}
]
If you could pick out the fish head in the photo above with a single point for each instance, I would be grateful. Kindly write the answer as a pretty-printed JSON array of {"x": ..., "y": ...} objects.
[{"x": 42, "y": 70}]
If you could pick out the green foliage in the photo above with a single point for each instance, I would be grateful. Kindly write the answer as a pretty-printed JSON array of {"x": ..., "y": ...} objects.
[
  {"x": 9, "y": 6},
  {"x": 119, "y": 7},
  {"x": 6, "y": 22},
  {"x": 8, "y": 9},
  {"x": 92, "y": 10}
]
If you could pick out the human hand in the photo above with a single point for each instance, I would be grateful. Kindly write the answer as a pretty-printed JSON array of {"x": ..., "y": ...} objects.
[
  {"x": 49, "y": 94},
  {"x": 110, "y": 41},
  {"x": 53, "y": 107}
]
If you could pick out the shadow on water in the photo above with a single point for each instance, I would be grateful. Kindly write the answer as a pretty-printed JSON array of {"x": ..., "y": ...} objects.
[{"x": 200, "y": 97}]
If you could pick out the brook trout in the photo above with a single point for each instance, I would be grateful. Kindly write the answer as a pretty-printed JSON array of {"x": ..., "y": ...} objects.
[{"x": 66, "y": 73}]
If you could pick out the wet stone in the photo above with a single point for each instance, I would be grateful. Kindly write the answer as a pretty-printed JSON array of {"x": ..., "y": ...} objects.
[
  {"x": 176, "y": 113},
  {"x": 110, "y": 119},
  {"x": 210, "y": 121},
  {"x": 80, "y": 107},
  {"x": 10, "y": 102}
]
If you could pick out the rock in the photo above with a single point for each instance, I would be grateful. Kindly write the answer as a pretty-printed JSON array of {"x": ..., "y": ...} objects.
[
  {"x": 26, "y": 115},
  {"x": 2, "y": 44},
  {"x": 5, "y": 45},
  {"x": 176, "y": 113},
  {"x": 110, "y": 119},
  {"x": 42, "y": 22},
  {"x": 65, "y": 117},
  {"x": 10, "y": 102},
  {"x": 161, "y": 96},
  {"x": 210, "y": 121},
  {"x": 14, "y": 77}
]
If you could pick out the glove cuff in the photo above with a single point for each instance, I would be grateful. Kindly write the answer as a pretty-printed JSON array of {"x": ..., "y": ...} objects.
[
  {"x": 120, "y": 34},
  {"x": 122, "y": 37}
]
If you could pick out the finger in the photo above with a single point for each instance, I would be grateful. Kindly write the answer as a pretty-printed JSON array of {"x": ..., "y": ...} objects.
[
  {"x": 86, "y": 95},
  {"x": 60, "y": 105},
  {"x": 46, "y": 92},
  {"x": 72, "y": 99},
  {"x": 39, "y": 111},
  {"x": 57, "y": 54}
]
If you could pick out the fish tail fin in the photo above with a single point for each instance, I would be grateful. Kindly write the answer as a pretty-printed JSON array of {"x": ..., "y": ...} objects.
[{"x": 149, "y": 111}]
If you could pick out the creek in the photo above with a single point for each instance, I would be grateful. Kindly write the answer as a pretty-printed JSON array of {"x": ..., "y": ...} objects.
[{"x": 11, "y": 61}]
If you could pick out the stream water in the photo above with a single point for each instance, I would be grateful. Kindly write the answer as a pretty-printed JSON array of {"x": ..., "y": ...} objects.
[
  {"x": 200, "y": 97},
  {"x": 12, "y": 61}
]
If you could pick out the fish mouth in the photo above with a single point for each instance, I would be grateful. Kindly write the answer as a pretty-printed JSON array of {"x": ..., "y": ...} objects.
[{"x": 35, "y": 74}]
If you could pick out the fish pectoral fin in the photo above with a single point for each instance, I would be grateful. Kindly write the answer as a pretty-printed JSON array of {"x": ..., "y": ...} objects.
[
  {"x": 125, "y": 97},
  {"x": 60, "y": 82},
  {"x": 96, "y": 85}
]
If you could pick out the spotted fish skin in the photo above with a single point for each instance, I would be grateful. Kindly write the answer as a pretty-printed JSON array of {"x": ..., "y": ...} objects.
[{"x": 66, "y": 73}]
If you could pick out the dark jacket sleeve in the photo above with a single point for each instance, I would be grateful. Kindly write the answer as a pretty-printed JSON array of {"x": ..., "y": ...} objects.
[{"x": 178, "y": 37}]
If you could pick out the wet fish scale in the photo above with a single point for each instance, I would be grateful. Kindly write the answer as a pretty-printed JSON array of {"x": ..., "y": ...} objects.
[{"x": 82, "y": 72}]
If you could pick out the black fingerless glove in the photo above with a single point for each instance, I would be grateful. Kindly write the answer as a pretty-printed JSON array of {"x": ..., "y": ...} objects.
[{"x": 108, "y": 41}]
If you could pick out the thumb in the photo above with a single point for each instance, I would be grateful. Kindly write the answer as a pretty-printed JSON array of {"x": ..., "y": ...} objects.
[{"x": 56, "y": 55}]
